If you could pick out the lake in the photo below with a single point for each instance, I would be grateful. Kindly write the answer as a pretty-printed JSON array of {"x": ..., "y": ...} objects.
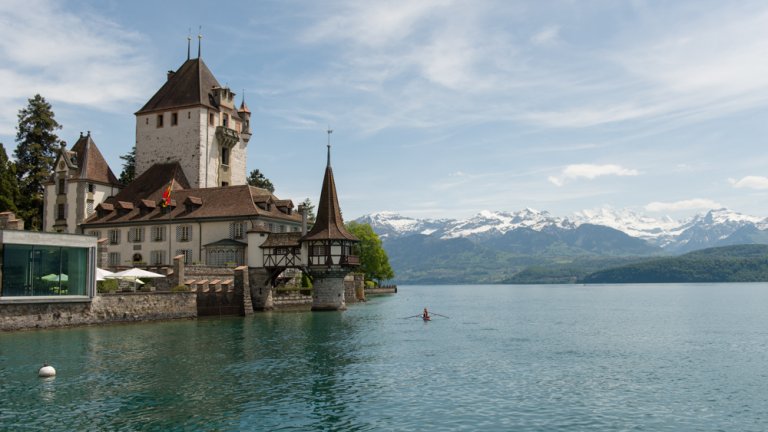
[{"x": 525, "y": 358}]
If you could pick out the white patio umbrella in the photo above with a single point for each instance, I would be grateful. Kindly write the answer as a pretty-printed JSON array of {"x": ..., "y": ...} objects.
[
  {"x": 134, "y": 274},
  {"x": 102, "y": 274}
]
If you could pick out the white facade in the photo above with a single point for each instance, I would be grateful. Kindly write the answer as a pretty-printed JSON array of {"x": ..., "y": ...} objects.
[
  {"x": 193, "y": 137},
  {"x": 68, "y": 201}
]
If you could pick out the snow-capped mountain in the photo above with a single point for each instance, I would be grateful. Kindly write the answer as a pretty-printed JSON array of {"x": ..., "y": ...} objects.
[{"x": 705, "y": 230}]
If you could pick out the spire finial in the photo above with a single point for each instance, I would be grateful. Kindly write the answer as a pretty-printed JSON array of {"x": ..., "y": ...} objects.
[
  {"x": 189, "y": 43},
  {"x": 330, "y": 131},
  {"x": 199, "y": 40}
]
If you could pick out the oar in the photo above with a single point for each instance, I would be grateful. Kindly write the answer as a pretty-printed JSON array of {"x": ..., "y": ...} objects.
[
  {"x": 439, "y": 315},
  {"x": 411, "y": 316}
]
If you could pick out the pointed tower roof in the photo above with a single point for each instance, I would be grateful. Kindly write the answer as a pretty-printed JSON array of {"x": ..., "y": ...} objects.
[
  {"x": 328, "y": 223},
  {"x": 152, "y": 182},
  {"x": 244, "y": 107},
  {"x": 190, "y": 85},
  {"x": 91, "y": 164}
]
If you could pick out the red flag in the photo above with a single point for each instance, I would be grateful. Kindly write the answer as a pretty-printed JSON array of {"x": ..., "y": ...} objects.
[{"x": 167, "y": 195}]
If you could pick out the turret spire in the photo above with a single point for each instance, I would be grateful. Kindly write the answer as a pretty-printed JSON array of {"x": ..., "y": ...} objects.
[
  {"x": 330, "y": 131},
  {"x": 189, "y": 43},
  {"x": 199, "y": 41}
]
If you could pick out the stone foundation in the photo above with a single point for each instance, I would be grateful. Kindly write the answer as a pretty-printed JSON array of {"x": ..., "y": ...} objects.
[
  {"x": 104, "y": 309},
  {"x": 328, "y": 293}
]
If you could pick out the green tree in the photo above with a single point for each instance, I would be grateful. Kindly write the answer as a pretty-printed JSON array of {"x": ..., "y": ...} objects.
[
  {"x": 257, "y": 178},
  {"x": 35, "y": 154},
  {"x": 129, "y": 166},
  {"x": 374, "y": 261},
  {"x": 307, "y": 203},
  {"x": 9, "y": 186}
]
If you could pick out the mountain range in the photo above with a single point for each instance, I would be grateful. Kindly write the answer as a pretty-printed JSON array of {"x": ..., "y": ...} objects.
[{"x": 494, "y": 246}]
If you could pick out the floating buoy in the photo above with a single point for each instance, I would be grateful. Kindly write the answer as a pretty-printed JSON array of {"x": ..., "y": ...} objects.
[{"x": 46, "y": 371}]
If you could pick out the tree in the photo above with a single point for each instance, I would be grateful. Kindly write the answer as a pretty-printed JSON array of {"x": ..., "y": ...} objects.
[
  {"x": 256, "y": 178},
  {"x": 35, "y": 154},
  {"x": 307, "y": 203},
  {"x": 129, "y": 167},
  {"x": 374, "y": 261},
  {"x": 9, "y": 185}
]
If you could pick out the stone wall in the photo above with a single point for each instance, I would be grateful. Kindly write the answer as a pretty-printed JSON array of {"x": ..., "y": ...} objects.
[{"x": 104, "y": 309}]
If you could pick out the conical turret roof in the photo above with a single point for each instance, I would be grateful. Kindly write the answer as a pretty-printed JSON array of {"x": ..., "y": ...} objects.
[{"x": 328, "y": 223}]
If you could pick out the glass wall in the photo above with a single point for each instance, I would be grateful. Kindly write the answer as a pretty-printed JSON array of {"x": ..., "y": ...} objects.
[{"x": 44, "y": 271}]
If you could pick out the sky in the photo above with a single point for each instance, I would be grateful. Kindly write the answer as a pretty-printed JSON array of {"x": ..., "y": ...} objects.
[{"x": 439, "y": 109}]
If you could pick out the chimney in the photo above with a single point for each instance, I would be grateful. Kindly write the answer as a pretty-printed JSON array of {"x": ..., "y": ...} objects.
[
  {"x": 303, "y": 210},
  {"x": 171, "y": 74}
]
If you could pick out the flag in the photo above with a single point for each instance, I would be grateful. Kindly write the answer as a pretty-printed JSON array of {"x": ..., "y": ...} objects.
[{"x": 167, "y": 195}]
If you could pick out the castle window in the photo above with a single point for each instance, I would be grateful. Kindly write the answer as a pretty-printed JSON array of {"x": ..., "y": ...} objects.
[
  {"x": 157, "y": 257},
  {"x": 61, "y": 214},
  {"x": 184, "y": 233},
  {"x": 174, "y": 119},
  {"x": 158, "y": 233},
  {"x": 96, "y": 234},
  {"x": 146, "y": 120},
  {"x": 211, "y": 119},
  {"x": 136, "y": 235},
  {"x": 137, "y": 258},
  {"x": 224, "y": 184},
  {"x": 189, "y": 114},
  {"x": 225, "y": 156},
  {"x": 225, "y": 120},
  {"x": 114, "y": 259},
  {"x": 187, "y": 255},
  {"x": 236, "y": 230},
  {"x": 91, "y": 187},
  {"x": 62, "y": 186},
  {"x": 159, "y": 120},
  {"x": 114, "y": 236}
]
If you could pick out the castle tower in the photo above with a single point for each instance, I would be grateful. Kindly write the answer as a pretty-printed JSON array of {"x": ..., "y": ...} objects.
[
  {"x": 331, "y": 248},
  {"x": 81, "y": 181},
  {"x": 193, "y": 120}
]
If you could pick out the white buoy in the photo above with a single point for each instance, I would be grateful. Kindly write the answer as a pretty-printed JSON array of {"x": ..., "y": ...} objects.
[{"x": 46, "y": 371}]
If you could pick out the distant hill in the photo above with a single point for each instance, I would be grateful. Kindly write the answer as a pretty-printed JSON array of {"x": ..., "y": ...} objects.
[{"x": 740, "y": 263}]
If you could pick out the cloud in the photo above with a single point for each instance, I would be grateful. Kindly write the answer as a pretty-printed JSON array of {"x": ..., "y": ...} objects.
[
  {"x": 589, "y": 171},
  {"x": 546, "y": 36},
  {"x": 691, "y": 204},
  {"x": 80, "y": 59},
  {"x": 750, "y": 182}
]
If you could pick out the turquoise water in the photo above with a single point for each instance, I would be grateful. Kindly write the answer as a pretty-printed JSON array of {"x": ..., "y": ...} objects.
[{"x": 524, "y": 358}]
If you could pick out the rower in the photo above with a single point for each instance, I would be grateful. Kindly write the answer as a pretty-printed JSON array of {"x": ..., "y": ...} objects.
[{"x": 425, "y": 315}]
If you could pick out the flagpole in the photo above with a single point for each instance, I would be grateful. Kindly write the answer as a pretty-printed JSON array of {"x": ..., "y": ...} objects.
[{"x": 167, "y": 204}]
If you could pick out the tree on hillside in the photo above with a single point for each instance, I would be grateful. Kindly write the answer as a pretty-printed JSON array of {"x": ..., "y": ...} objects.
[
  {"x": 307, "y": 203},
  {"x": 257, "y": 179},
  {"x": 35, "y": 154},
  {"x": 9, "y": 186},
  {"x": 129, "y": 167},
  {"x": 374, "y": 261}
]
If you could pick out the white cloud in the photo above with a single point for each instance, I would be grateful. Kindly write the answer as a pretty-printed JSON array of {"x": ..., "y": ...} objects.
[
  {"x": 590, "y": 171},
  {"x": 81, "y": 59},
  {"x": 750, "y": 182},
  {"x": 691, "y": 204},
  {"x": 546, "y": 36}
]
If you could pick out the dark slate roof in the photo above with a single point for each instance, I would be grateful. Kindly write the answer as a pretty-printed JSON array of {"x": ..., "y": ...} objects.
[
  {"x": 190, "y": 85},
  {"x": 328, "y": 224},
  {"x": 282, "y": 240},
  {"x": 225, "y": 202},
  {"x": 88, "y": 162}
]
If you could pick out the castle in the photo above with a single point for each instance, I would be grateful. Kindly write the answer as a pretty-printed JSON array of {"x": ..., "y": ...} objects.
[{"x": 190, "y": 197}]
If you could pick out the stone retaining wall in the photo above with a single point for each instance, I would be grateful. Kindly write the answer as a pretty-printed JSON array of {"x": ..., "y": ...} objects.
[{"x": 104, "y": 309}]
